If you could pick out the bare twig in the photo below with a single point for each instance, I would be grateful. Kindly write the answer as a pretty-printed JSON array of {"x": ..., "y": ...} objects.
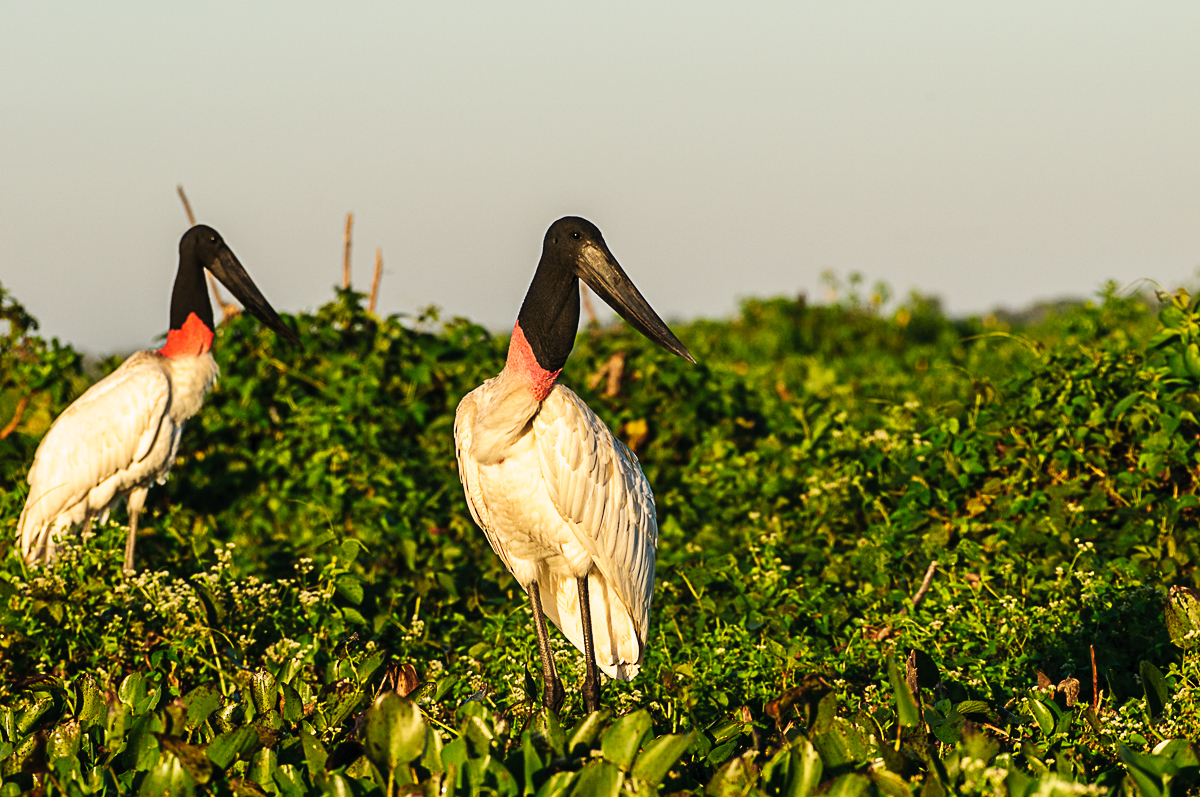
[
  {"x": 346, "y": 254},
  {"x": 1095, "y": 682},
  {"x": 11, "y": 426},
  {"x": 228, "y": 309},
  {"x": 614, "y": 369},
  {"x": 924, "y": 584},
  {"x": 375, "y": 280},
  {"x": 187, "y": 206}
]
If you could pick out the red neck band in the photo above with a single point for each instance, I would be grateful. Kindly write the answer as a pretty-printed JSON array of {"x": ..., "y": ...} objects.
[
  {"x": 192, "y": 339},
  {"x": 521, "y": 360}
]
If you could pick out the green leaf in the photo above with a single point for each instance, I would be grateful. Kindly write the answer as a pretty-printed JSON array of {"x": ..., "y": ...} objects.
[
  {"x": 91, "y": 703},
  {"x": 586, "y": 732},
  {"x": 973, "y": 707},
  {"x": 598, "y": 779},
  {"x": 906, "y": 705},
  {"x": 658, "y": 756},
  {"x": 734, "y": 779},
  {"x": 1042, "y": 715},
  {"x": 1155, "y": 688},
  {"x": 395, "y": 732},
  {"x": 263, "y": 691},
  {"x": 621, "y": 741},
  {"x": 1183, "y": 616},
  {"x": 200, "y": 703},
  {"x": 314, "y": 753},
  {"x": 351, "y": 589},
  {"x": 230, "y": 746},
  {"x": 557, "y": 785}
]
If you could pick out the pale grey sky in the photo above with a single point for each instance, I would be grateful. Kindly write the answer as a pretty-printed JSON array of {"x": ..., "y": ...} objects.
[{"x": 991, "y": 154}]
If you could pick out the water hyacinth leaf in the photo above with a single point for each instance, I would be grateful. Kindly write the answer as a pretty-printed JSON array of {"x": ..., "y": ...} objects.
[
  {"x": 1042, "y": 715},
  {"x": 557, "y": 785},
  {"x": 1181, "y": 751},
  {"x": 133, "y": 690},
  {"x": 849, "y": 785},
  {"x": 586, "y": 732},
  {"x": 553, "y": 732},
  {"x": 263, "y": 691},
  {"x": 63, "y": 741},
  {"x": 844, "y": 743},
  {"x": 806, "y": 770},
  {"x": 621, "y": 741},
  {"x": 1156, "y": 690},
  {"x": 394, "y": 733},
  {"x": 431, "y": 759},
  {"x": 734, "y": 779},
  {"x": 658, "y": 756},
  {"x": 973, "y": 707},
  {"x": 198, "y": 765},
  {"x": 351, "y": 589},
  {"x": 1147, "y": 771},
  {"x": 531, "y": 761},
  {"x": 906, "y": 704},
  {"x": 598, "y": 779},
  {"x": 293, "y": 706},
  {"x": 232, "y": 745},
  {"x": 314, "y": 753},
  {"x": 1183, "y": 616},
  {"x": 200, "y": 703},
  {"x": 91, "y": 702},
  {"x": 168, "y": 776}
]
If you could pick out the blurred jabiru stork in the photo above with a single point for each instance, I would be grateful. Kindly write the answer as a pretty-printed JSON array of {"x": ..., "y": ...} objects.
[
  {"x": 122, "y": 434},
  {"x": 562, "y": 501}
]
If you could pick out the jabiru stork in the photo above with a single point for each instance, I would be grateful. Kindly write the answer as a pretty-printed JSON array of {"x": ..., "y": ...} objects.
[
  {"x": 122, "y": 434},
  {"x": 562, "y": 501}
]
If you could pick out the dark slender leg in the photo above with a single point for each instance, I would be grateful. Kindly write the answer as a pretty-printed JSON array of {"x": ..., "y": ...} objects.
[
  {"x": 591, "y": 683},
  {"x": 552, "y": 688}
]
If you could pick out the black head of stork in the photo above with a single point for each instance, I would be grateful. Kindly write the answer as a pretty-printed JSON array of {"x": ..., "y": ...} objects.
[
  {"x": 574, "y": 250},
  {"x": 202, "y": 248}
]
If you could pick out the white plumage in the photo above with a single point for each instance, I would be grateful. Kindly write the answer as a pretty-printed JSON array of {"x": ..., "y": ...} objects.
[
  {"x": 113, "y": 442},
  {"x": 559, "y": 497}
]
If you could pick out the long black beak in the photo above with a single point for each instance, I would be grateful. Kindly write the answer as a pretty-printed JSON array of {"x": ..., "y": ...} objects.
[
  {"x": 603, "y": 274},
  {"x": 229, "y": 271}
]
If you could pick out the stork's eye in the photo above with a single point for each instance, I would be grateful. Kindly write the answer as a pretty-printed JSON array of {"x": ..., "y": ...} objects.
[{"x": 576, "y": 236}]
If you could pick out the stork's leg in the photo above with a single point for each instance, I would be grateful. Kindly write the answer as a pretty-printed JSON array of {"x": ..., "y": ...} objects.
[
  {"x": 591, "y": 682},
  {"x": 552, "y": 688},
  {"x": 137, "y": 499}
]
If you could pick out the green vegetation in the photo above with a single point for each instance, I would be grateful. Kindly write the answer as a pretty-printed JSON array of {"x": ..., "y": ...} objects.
[{"x": 312, "y": 560}]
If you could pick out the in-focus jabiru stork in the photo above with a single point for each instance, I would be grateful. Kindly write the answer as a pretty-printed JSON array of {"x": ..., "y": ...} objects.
[
  {"x": 122, "y": 434},
  {"x": 563, "y": 502}
]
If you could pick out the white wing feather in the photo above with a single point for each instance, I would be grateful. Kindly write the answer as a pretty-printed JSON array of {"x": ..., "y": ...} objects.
[
  {"x": 597, "y": 485},
  {"x": 114, "y": 436}
]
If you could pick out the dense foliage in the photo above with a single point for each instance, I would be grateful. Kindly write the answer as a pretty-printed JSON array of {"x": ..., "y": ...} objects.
[{"x": 899, "y": 553}]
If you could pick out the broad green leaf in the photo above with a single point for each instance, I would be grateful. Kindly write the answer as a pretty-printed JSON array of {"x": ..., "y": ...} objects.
[
  {"x": 598, "y": 779},
  {"x": 1043, "y": 715},
  {"x": 91, "y": 702},
  {"x": 1183, "y": 616},
  {"x": 659, "y": 755},
  {"x": 200, "y": 703},
  {"x": 394, "y": 733},
  {"x": 263, "y": 691},
  {"x": 232, "y": 745},
  {"x": 314, "y": 753},
  {"x": 621, "y": 741},
  {"x": 1156, "y": 690},
  {"x": 557, "y": 785},
  {"x": 906, "y": 705},
  {"x": 351, "y": 589},
  {"x": 586, "y": 731}
]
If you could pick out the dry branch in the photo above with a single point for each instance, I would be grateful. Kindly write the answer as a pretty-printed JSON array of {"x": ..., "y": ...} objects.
[
  {"x": 375, "y": 280},
  {"x": 346, "y": 253},
  {"x": 11, "y": 426}
]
